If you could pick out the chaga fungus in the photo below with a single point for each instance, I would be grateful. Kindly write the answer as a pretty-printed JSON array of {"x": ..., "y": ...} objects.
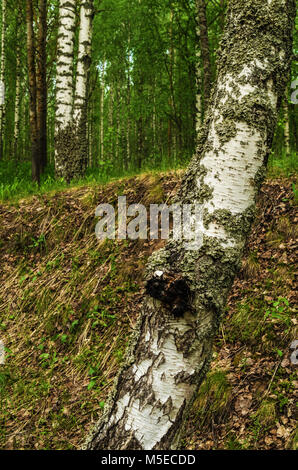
[{"x": 172, "y": 290}]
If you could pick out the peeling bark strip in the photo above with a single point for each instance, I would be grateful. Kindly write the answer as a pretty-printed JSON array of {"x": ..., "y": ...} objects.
[
  {"x": 169, "y": 355},
  {"x": 64, "y": 85}
]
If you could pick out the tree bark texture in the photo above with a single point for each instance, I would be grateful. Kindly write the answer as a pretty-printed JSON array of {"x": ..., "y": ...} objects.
[
  {"x": 17, "y": 107},
  {"x": 205, "y": 50},
  {"x": 32, "y": 93},
  {"x": 79, "y": 159},
  {"x": 41, "y": 83},
  {"x": 64, "y": 147},
  {"x": 2, "y": 75},
  {"x": 187, "y": 289}
]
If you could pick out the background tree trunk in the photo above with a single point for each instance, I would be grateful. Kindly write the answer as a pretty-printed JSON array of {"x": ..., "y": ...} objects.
[
  {"x": 102, "y": 97},
  {"x": 2, "y": 76},
  {"x": 17, "y": 106},
  {"x": 287, "y": 125},
  {"x": 172, "y": 346},
  {"x": 32, "y": 93},
  {"x": 64, "y": 89},
  {"x": 205, "y": 51},
  {"x": 41, "y": 83},
  {"x": 79, "y": 157}
]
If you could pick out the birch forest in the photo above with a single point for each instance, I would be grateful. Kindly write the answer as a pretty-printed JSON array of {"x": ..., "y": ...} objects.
[{"x": 148, "y": 227}]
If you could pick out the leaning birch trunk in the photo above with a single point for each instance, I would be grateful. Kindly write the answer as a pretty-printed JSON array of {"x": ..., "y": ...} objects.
[
  {"x": 187, "y": 290},
  {"x": 64, "y": 88},
  {"x": 2, "y": 75},
  {"x": 80, "y": 113}
]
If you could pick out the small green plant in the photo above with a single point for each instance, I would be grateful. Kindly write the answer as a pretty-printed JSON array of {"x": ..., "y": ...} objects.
[
  {"x": 279, "y": 310},
  {"x": 39, "y": 243}
]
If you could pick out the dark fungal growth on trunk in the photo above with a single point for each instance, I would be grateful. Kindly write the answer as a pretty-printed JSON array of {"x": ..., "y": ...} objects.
[{"x": 172, "y": 290}]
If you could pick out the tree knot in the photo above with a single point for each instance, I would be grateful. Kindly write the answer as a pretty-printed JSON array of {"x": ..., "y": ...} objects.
[{"x": 172, "y": 290}]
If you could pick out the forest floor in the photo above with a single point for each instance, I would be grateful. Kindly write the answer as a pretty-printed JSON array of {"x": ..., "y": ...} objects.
[{"x": 68, "y": 304}]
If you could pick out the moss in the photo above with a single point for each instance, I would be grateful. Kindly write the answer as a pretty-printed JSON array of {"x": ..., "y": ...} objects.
[
  {"x": 266, "y": 414},
  {"x": 235, "y": 225},
  {"x": 226, "y": 130}
]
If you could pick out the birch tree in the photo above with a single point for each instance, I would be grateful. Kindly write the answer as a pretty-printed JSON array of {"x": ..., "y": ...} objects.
[
  {"x": 17, "y": 107},
  {"x": 64, "y": 88},
  {"x": 31, "y": 58},
  {"x": 187, "y": 289},
  {"x": 71, "y": 138},
  {"x": 205, "y": 50},
  {"x": 41, "y": 82},
  {"x": 79, "y": 159},
  {"x": 2, "y": 75}
]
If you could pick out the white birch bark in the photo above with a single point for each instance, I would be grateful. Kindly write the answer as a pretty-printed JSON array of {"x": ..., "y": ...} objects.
[
  {"x": 287, "y": 126},
  {"x": 102, "y": 97},
  {"x": 64, "y": 83},
  {"x": 84, "y": 59},
  {"x": 2, "y": 75},
  {"x": 17, "y": 106},
  {"x": 187, "y": 290},
  {"x": 80, "y": 110},
  {"x": 199, "y": 106}
]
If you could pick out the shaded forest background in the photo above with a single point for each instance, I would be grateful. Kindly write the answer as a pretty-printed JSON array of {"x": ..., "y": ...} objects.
[{"x": 149, "y": 63}]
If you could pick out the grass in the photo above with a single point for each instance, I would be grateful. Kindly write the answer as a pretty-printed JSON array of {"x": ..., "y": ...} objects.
[
  {"x": 213, "y": 398},
  {"x": 68, "y": 303},
  {"x": 15, "y": 177},
  {"x": 256, "y": 321}
]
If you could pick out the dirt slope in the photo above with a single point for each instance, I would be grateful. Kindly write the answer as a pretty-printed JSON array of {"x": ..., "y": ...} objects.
[{"x": 68, "y": 304}]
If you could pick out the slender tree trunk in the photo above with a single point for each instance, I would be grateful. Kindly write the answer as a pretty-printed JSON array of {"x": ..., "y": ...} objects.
[
  {"x": 64, "y": 145},
  {"x": 222, "y": 6},
  {"x": 41, "y": 83},
  {"x": 90, "y": 135},
  {"x": 2, "y": 76},
  {"x": 171, "y": 97},
  {"x": 127, "y": 159},
  {"x": 111, "y": 121},
  {"x": 287, "y": 125},
  {"x": 117, "y": 125},
  {"x": 102, "y": 97},
  {"x": 154, "y": 116},
  {"x": 187, "y": 290},
  {"x": 79, "y": 159},
  {"x": 199, "y": 79},
  {"x": 33, "y": 93},
  {"x": 17, "y": 105},
  {"x": 140, "y": 142},
  {"x": 140, "y": 124},
  {"x": 205, "y": 51}
]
